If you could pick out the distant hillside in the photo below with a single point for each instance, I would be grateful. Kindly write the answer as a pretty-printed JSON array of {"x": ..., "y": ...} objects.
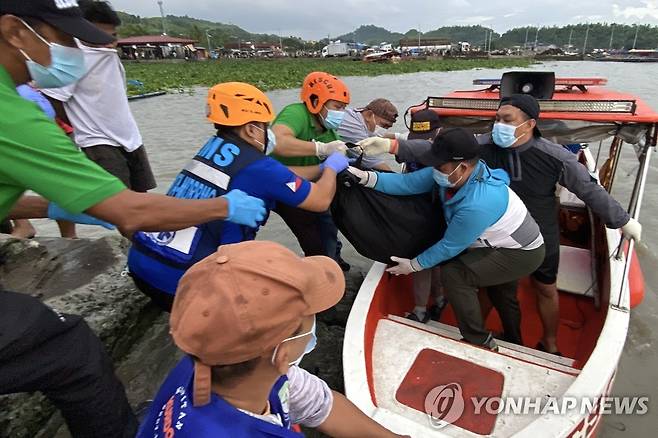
[
  {"x": 220, "y": 33},
  {"x": 371, "y": 34},
  {"x": 598, "y": 36}
]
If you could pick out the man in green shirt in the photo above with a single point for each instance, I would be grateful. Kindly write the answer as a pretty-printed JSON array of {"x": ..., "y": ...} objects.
[
  {"x": 306, "y": 134},
  {"x": 40, "y": 349}
]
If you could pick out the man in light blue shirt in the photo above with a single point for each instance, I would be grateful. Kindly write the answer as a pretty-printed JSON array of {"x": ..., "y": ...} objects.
[{"x": 491, "y": 240}]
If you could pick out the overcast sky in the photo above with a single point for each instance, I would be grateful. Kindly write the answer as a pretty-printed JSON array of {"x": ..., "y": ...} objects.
[{"x": 312, "y": 19}]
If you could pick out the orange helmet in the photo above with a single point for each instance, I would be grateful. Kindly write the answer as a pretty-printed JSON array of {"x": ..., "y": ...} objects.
[
  {"x": 320, "y": 87},
  {"x": 237, "y": 103}
]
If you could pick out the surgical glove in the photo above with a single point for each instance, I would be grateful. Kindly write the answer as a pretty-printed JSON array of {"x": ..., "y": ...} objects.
[
  {"x": 374, "y": 146},
  {"x": 402, "y": 136},
  {"x": 404, "y": 266},
  {"x": 366, "y": 178},
  {"x": 244, "y": 209},
  {"x": 632, "y": 230},
  {"x": 336, "y": 162},
  {"x": 323, "y": 150},
  {"x": 59, "y": 214}
]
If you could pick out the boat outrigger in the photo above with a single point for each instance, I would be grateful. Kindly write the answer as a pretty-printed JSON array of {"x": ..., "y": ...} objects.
[{"x": 422, "y": 380}]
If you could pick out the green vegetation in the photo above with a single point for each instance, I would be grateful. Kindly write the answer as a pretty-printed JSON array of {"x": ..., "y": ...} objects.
[{"x": 271, "y": 74}]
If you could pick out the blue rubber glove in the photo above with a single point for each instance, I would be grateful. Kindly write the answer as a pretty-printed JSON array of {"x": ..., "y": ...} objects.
[
  {"x": 59, "y": 214},
  {"x": 244, "y": 209},
  {"x": 336, "y": 162}
]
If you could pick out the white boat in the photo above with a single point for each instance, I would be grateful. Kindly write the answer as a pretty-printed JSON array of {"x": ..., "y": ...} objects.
[{"x": 422, "y": 380}]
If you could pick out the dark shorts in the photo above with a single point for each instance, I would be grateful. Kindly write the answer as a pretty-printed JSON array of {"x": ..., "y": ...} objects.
[
  {"x": 132, "y": 168},
  {"x": 547, "y": 272}
]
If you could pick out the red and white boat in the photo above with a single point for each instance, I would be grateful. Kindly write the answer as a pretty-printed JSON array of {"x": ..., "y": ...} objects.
[{"x": 422, "y": 380}]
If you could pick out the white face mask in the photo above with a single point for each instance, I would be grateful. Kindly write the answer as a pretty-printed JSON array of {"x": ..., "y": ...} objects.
[
  {"x": 310, "y": 345},
  {"x": 268, "y": 147},
  {"x": 379, "y": 131}
]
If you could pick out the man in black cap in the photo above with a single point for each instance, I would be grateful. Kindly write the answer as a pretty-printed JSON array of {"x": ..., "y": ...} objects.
[
  {"x": 535, "y": 165},
  {"x": 491, "y": 240},
  {"x": 41, "y": 349}
]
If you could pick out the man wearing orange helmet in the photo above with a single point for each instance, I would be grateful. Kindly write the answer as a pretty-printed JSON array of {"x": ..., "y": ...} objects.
[
  {"x": 236, "y": 157},
  {"x": 306, "y": 133}
]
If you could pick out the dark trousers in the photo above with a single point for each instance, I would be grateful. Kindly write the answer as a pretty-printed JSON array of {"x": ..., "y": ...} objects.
[
  {"x": 60, "y": 356},
  {"x": 499, "y": 271},
  {"x": 316, "y": 232}
]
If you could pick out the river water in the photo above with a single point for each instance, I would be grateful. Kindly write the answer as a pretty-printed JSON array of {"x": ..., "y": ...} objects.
[{"x": 174, "y": 127}]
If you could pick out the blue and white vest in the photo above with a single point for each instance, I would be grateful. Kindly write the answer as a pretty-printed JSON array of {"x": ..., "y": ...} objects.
[{"x": 161, "y": 258}]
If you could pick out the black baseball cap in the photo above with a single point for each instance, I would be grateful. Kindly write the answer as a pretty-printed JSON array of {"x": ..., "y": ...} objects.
[
  {"x": 424, "y": 125},
  {"x": 526, "y": 103},
  {"x": 64, "y": 15},
  {"x": 451, "y": 144}
]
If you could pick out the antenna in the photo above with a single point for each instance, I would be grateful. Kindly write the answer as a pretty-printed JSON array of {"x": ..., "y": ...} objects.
[
  {"x": 162, "y": 15},
  {"x": 612, "y": 34},
  {"x": 635, "y": 39},
  {"x": 536, "y": 37},
  {"x": 525, "y": 44},
  {"x": 570, "y": 35},
  {"x": 585, "y": 44}
]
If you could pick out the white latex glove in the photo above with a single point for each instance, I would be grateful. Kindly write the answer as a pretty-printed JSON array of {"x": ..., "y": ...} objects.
[
  {"x": 632, "y": 230},
  {"x": 323, "y": 150},
  {"x": 366, "y": 178},
  {"x": 374, "y": 146},
  {"x": 402, "y": 136},
  {"x": 404, "y": 266}
]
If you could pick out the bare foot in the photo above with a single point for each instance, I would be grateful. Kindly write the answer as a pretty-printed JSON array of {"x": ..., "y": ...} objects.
[{"x": 23, "y": 229}]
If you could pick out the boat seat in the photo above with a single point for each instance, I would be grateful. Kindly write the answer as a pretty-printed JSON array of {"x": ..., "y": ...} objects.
[
  {"x": 526, "y": 354},
  {"x": 575, "y": 272}
]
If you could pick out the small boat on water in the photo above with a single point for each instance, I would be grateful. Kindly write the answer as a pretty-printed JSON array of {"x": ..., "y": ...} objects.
[
  {"x": 424, "y": 381},
  {"x": 633, "y": 55}
]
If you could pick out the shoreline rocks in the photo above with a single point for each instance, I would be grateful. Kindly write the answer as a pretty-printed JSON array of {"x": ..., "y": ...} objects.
[{"x": 85, "y": 277}]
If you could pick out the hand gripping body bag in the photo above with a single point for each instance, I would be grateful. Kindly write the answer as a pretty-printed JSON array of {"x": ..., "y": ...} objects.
[{"x": 379, "y": 225}]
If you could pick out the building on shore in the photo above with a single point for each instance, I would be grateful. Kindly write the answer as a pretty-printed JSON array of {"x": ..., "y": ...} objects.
[{"x": 158, "y": 47}]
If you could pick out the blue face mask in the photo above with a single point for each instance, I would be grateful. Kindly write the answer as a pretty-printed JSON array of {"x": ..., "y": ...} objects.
[
  {"x": 443, "y": 179},
  {"x": 505, "y": 135},
  {"x": 334, "y": 119},
  {"x": 67, "y": 65},
  {"x": 310, "y": 346}
]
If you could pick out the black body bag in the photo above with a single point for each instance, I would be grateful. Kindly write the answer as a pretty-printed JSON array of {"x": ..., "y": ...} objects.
[{"x": 380, "y": 226}]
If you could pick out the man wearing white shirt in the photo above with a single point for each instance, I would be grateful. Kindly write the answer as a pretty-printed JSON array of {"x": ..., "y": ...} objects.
[{"x": 97, "y": 108}]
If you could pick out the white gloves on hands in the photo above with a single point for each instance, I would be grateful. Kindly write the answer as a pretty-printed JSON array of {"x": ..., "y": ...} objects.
[
  {"x": 323, "y": 150},
  {"x": 366, "y": 178},
  {"x": 374, "y": 146},
  {"x": 404, "y": 266},
  {"x": 632, "y": 230}
]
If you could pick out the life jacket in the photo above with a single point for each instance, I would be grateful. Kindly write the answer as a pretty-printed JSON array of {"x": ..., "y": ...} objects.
[
  {"x": 161, "y": 258},
  {"x": 172, "y": 413}
]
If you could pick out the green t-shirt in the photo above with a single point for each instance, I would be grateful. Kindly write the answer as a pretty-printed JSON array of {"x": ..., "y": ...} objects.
[
  {"x": 35, "y": 154},
  {"x": 300, "y": 121}
]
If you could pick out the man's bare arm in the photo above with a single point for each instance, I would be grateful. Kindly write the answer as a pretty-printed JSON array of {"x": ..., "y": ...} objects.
[{"x": 131, "y": 211}]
